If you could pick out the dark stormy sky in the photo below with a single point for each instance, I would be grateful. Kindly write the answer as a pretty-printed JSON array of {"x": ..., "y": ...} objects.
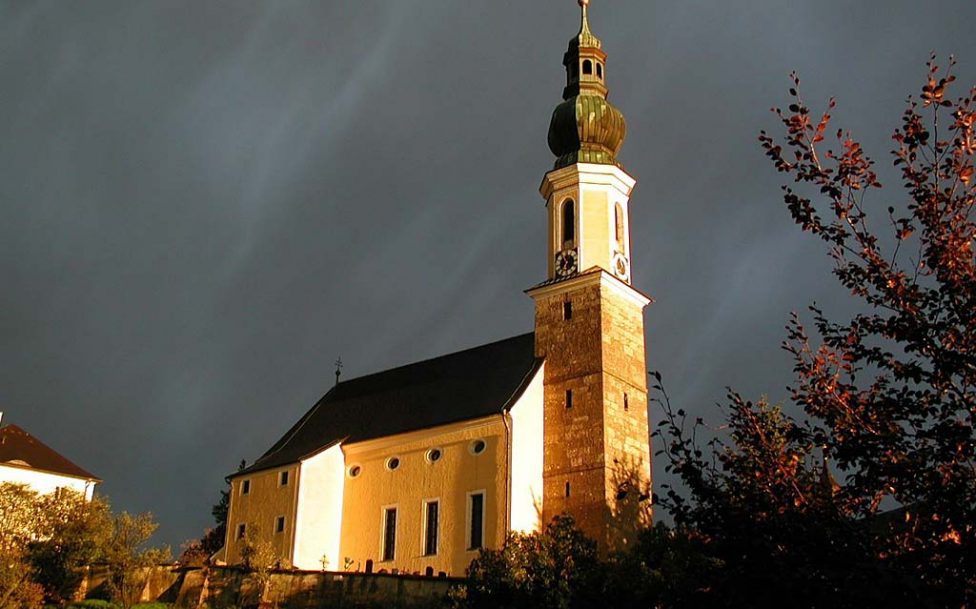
[{"x": 203, "y": 204}]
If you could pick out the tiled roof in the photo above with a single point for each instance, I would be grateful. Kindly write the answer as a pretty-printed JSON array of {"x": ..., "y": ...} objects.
[
  {"x": 19, "y": 448},
  {"x": 461, "y": 386}
]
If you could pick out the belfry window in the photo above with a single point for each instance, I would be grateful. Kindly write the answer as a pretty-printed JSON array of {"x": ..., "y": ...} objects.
[
  {"x": 618, "y": 216},
  {"x": 567, "y": 310},
  {"x": 569, "y": 399},
  {"x": 569, "y": 221},
  {"x": 588, "y": 67},
  {"x": 599, "y": 71}
]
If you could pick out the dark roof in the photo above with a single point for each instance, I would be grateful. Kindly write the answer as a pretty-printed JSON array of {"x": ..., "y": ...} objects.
[
  {"x": 465, "y": 385},
  {"x": 17, "y": 447}
]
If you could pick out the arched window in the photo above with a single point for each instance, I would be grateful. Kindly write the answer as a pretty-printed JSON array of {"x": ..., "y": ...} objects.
[
  {"x": 619, "y": 223},
  {"x": 587, "y": 67},
  {"x": 569, "y": 221},
  {"x": 599, "y": 71}
]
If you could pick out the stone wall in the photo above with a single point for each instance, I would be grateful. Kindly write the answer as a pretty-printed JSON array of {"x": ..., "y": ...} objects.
[{"x": 229, "y": 587}]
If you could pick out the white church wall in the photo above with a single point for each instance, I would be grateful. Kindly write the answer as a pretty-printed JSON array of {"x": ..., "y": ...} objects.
[
  {"x": 527, "y": 457},
  {"x": 46, "y": 482},
  {"x": 318, "y": 517}
]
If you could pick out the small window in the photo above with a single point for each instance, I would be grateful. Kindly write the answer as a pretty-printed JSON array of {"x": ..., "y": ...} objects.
[
  {"x": 354, "y": 471},
  {"x": 476, "y": 521},
  {"x": 569, "y": 221},
  {"x": 599, "y": 70},
  {"x": 392, "y": 463},
  {"x": 283, "y": 479},
  {"x": 567, "y": 310},
  {"x": 246, "y": 487},
  {"x": 569, "y": 399},
  {"x": 567, "y": 489},
  {"x": 587, "y": 67},
  {"x": 280, "y": 524},
  {"x": 431, "y": 516},
  {"x": 389, "y": 533},
  {"x": 241, "y": 531},
  {"x": 434, "y": 455},
  {"x": 626, "y": 403},
  {"x": 477, "y": 447}
]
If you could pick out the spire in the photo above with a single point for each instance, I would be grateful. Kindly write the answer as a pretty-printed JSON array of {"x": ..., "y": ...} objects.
[
  {"x": 586, "y": 128},
  {"x": 585, "y": 38}
]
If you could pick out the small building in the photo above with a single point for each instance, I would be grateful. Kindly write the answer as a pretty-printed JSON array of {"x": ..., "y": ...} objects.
[
  {"x": 26, "y": 460},
  {"x": 418, "y": 468}
]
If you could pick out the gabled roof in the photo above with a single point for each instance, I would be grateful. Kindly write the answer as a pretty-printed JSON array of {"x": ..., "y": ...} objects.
[
  {"x": 461, "y": 386},
  {"x": 20, "y": 449}
]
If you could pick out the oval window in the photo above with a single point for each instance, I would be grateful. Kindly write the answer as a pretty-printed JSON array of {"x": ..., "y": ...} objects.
[
  {"x": 354, "y": 471},
  {"x": 392, "y": 463},
  {"x": 478, "y": 446},
  {"x": 434, "y": 455}
]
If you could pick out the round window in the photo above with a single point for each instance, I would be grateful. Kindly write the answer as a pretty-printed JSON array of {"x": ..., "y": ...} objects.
[
  {"x": 477, "y": 447},
  {"x": 354, "y": 471},
  {"x": 392, "y": 463},
  {"x": 434, "y": 455}
]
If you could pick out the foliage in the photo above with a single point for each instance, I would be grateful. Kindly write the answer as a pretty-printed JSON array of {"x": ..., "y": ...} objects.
[
  {"x": 213, "y": 539},
  {"x": 556, "y": 568},
  {"x": 72, "y": 535},
  {"x": 128, "y": 556},
  {"x": 259, "y": 559},
  {"x": 868, "y": 499},
  {"x": 45, "y": 542}
]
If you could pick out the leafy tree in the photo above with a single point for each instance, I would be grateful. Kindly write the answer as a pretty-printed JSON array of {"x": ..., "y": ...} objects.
[
  {"x": 72, "y": 533},
  {"x": 45, "y": 543},
  {"x": 18, "y": 522},
  {"x": 869, "y": 498},
  {"x": 214, "y": 538},
  {"x": 129, "y": 557},
  {"x": 558, "y": 568}
]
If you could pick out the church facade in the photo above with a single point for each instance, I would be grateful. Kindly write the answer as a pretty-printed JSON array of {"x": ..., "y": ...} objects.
[{"x": 418, "y": 468}]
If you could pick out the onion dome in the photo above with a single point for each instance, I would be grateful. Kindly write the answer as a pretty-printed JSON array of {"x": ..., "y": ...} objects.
[{"x": 585, "y": 127}]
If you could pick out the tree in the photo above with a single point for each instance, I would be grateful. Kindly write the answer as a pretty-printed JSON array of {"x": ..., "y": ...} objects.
[
  {"x": 558, "y": 568},
  {"x": 128, "y": 556},
  {"x": 45, "y": 543},
  {"x": 868, "y": 498},
  {"x": 214, "y": 539},
  {"x": 18, "y": 522},
  {"x": 72, "y": 533}
]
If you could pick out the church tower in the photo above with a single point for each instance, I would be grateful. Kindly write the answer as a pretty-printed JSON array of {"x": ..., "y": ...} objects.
[{"x": 589, "y": 323}]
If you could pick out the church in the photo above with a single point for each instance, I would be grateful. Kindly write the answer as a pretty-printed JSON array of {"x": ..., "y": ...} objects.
[{"x": 415, "y": 469}]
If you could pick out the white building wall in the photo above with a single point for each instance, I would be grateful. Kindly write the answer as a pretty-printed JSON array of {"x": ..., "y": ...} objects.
[
  {"x": 318, "y": 514},
  {"x": 527, "y": 456},
  {"x": 46, "y": 482}
]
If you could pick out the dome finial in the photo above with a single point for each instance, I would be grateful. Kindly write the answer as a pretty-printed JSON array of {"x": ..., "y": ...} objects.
[{"x": 586, "y": 37}]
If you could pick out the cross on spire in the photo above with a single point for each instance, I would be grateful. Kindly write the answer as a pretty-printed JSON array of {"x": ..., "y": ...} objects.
[{"x": 338, "y": 369}]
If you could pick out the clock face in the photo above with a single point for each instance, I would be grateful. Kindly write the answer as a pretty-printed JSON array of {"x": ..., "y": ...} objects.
[
  {"x": 566, "y": 262},
  {"x": 621, "y": 268}
]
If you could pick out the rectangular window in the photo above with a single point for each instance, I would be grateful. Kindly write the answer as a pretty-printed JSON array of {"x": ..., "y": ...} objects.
[
  {"x": 476, "y": 521},
  {"x": 280, "y": 524},
  {"x": 626, "y": 403},
  {"x": 431, "y": 517},
  {"x": 569, "y": 398},
  {"x": 283, "y": 479},
  {"x": 241, "y": 531},
  {"x": 389, "y": 533},
  {"x": 246, "y": 487},
  {"x": 567, "y": 310}
]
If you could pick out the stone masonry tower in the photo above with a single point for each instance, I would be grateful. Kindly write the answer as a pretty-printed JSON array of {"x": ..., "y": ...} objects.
[{"x": 589, "y": 323}]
